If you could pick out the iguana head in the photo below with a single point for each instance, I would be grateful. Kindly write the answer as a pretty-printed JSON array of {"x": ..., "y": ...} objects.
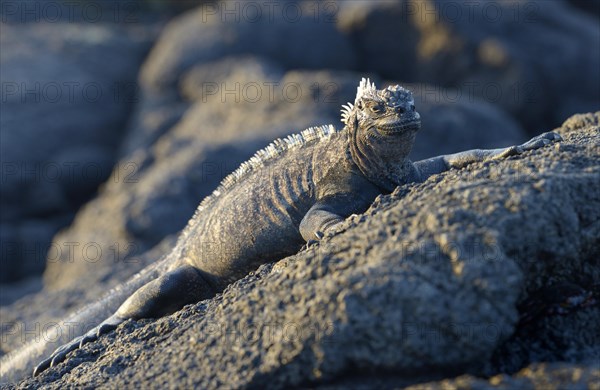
[{"x": 382, "y": 125}]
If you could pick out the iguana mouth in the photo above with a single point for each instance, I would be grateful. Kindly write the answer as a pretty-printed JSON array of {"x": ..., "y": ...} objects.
[{"x": 398, "y": 127}]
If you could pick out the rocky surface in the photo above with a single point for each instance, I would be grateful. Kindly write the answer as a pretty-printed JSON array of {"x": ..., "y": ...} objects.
[
  {"x": 482, "y": 53},
  {"x": 497, "y": 51},
  {"x": 554, "y": 376},
  {"x": 425, "y": 284},
  {"x": 482, "y": 50},
  {"x": 296, "y": 36},
  {"x": 63, "y": 112},
  {"x": 201, "y": 106}
]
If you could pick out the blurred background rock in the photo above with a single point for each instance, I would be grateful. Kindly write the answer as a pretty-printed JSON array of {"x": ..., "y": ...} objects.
[{"x": 118, "y": 117}]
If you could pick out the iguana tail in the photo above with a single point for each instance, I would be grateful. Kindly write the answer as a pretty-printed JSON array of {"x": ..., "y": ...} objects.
[{"x": 20, "y": 363}]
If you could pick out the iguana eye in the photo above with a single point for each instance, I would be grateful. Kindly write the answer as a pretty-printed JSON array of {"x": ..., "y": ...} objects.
[{"x": 376, "y": 108}]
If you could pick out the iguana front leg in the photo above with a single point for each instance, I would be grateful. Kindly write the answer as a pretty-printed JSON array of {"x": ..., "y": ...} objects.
[
  {"x": 317, "y": 220},
  {"x": 462, "y": 159},
  {"x": 441, "y": 164}
]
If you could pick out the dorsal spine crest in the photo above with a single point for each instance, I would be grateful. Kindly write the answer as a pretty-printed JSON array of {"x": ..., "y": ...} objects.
[
  {"x": 365, "y": 89},
  {"x": 275, "y": 149}
]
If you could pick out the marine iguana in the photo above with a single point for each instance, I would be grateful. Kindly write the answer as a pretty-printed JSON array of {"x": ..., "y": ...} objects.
[{"x": 293, "y": 191}]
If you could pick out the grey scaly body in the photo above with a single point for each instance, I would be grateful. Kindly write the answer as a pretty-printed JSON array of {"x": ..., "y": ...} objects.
[{"x": 289, "y": 193}]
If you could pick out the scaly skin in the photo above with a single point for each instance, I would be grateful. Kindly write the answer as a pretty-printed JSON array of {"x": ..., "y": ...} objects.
[{"x": 287, "y": 195}]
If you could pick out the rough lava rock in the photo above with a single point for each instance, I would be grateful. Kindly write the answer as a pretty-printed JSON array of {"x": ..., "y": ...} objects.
[
  {"x": 424, "y": 286},
  {"x": 64, "y": 107},
  {"x": 298, "y": 34},
  {"x": 510, "y": 53},
  {"x": 496, "y": 52},
  {"x": 547, "y": 376}
]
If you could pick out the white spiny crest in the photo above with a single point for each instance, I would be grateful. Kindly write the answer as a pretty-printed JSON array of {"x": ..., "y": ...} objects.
[
  {"x": 274, "y": 150},
  {"x": 346, "y": 111},
  {"x": 366, "y": 89}
]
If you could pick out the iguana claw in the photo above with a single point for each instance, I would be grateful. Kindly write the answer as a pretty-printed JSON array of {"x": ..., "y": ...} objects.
[
  {"x": 57, "y": 356},
  {"x": 541, "y": 140},
  {"x": 534, "y": 143},
  {"x": 60, "y": 354}
]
